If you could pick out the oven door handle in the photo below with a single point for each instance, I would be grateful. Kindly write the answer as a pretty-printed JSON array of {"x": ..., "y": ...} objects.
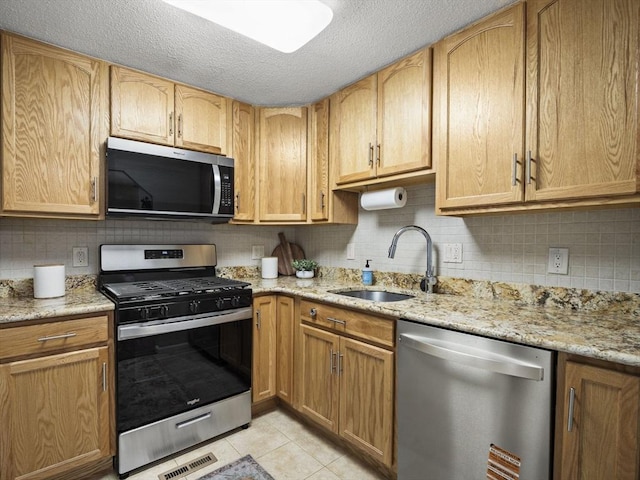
[{"x": 148, "y": 329}]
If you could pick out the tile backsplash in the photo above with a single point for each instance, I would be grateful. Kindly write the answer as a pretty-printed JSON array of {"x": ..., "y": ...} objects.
[{"x": 604, "y": 245}]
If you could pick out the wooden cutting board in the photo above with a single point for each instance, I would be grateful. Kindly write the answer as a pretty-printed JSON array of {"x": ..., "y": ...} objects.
[{"x": 287, "y": 253}]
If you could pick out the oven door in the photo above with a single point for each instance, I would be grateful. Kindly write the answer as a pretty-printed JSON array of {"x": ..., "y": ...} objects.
[{"x": 168, "y": 367}]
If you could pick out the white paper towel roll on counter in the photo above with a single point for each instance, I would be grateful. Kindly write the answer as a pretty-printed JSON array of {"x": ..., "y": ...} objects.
[
  {"x": 269, "y": 267},
  {"x": 48, "y": 281},
  {"x": 381, "y": 199}
]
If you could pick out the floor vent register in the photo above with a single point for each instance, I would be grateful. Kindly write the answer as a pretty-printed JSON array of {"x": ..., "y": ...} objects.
[{"x": 190, "y": 467}]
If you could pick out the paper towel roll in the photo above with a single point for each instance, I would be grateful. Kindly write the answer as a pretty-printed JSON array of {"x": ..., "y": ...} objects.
[
  {"x": 381, "y": 199},
  {"x": 48, "y": 281},
  {"x": 269, "y": 267}
]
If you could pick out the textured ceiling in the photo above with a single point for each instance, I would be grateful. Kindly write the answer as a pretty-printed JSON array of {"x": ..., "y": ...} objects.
[{"x": 364, "y": 36}]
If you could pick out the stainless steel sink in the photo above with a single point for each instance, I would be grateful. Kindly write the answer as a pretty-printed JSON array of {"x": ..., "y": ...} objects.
[{"x": 376, "y": 295}]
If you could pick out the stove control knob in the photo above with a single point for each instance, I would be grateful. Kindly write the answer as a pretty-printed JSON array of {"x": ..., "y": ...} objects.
[
  {"x": 235, "y": 301},
  {"x": 194, "y": 306},
  {"x": 220, "y": 303},
  {"x": 144, "y": 312},
  {"x": 164, "y": 311}
]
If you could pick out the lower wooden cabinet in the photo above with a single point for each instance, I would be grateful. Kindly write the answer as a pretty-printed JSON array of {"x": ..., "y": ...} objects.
[
  {"x": 55, "y": 409},
  {"x": 273, "y": 335},
  {"x": 597, "y": 423},
  {"x": 347, "y": 385}
]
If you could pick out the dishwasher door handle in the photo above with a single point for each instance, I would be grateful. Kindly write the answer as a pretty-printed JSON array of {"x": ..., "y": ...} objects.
[{"x": 491, "y": 362}]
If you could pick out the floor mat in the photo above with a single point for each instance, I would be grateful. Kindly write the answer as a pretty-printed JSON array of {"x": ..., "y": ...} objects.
[{"x": 245, "y": 468}]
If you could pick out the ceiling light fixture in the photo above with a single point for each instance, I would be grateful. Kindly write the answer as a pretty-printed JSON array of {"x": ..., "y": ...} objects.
[{"x": 285, "y": 25}]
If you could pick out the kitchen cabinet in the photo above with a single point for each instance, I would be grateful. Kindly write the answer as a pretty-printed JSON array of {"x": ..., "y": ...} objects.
[
  {"x": 54, "y": 105},
  {"x": 568, "y": 138},
  {"x": 284, "y": 348},
  {"x": 381, "y": 125},
  {"x": 243, "y": 153},
  {"x": 56, "y": 397},
  {"x": 273, "y": 337},
  {"x": 282, "y": 164},
  {"x": 325, "y": 205},
  {"x": 346, "y": 378},
  {"x": 598, "y": 422},
  {"x": 263, "y": 371},
  {"x": 153, "y": 109}
]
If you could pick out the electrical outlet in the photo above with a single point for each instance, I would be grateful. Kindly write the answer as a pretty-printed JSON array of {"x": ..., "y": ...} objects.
[
  {"x": 351, "y": 251},
  {"x": 257, "y": 252},
  {"x": 452, "y": 253},
  {"x": 558, "y": 261},
  {"x": 80, "y": 256}
]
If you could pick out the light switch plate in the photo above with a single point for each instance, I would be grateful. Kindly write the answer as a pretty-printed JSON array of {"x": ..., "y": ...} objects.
[
  {"x": 452, "y": 253},
  {"x": 351, "y": 251},
  {"x": 257, "y": 252}
]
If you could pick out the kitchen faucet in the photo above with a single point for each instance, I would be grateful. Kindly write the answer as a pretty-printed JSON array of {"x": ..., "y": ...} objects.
[{"x": 426, "y": 285}]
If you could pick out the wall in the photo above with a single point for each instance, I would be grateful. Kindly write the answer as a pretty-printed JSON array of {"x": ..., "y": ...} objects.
[{"x": 604, "y": 245}]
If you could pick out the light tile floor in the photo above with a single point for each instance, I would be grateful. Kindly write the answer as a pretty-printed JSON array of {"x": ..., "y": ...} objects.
[{"x": 285, "y": 448}]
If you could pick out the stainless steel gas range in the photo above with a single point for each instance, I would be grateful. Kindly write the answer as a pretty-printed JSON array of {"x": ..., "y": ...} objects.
[{"x": 183, "y": 349}]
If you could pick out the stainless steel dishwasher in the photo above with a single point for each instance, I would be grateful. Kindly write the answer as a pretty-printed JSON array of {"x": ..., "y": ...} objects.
[{"x": 470, "y": 407}]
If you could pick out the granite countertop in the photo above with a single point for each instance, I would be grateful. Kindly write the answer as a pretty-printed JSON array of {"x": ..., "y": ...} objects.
[
  {"x": 80, "y": 301},
  {"x": 612, "y": 335},
  {"x": 606, "y": 326}
]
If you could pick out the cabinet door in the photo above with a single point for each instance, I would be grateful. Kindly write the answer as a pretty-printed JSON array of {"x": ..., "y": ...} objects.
[
  {"x": 583, "y": 130},
  {"x": 53, "y": 110},
  {"x": 603, "y": 441},
  {"x": 404, "y": 115},
  {"x": 243, "y": 139},
  {"x": 353, "y": 131},
  {"x": 55, "y": 414},
  {"x": 201, "y": 120},
  {"x": 264, "y": 348},
  {"x": 366, "y": 398},
  {"x": 319, "y": 384},
  {"x": 282, "y": 163},
  {"x": 479, "y": 112},
  {"x": 284, "y": 348},
  {"x": 319, "y": 161},
  {"x": 142, "y": 106}
]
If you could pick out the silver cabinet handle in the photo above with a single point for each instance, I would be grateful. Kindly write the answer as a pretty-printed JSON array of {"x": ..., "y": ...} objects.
[
  {"x": 514, "y": 171},
  {"x": 104, "y": 376},
  {"x": 528, "y": 173},
  {"x": 237, "y": 202},
  {"x": 191, "y": 421},
  {"x": 58, "y": 337},
  {"x": 322, "y": 200},
  {"x": 313, "y": 312},
  {"x": 331, "y": 362},
  {"x": 378, "y": 154},
  {"x": 94, "y": 189},
  {"x": 572, "y": 401},
  {"x": 258, "y": 320},
  {"x": 171, "y": 124},
  {"x": 304, "y": 204},
  {"x": 179, "y": 125},
  {"x": 340, "y": 359},
  {"x": 478, "y": 359},
  {"x": 335, "y": 320},
  {"x": 370, "y": 154}
]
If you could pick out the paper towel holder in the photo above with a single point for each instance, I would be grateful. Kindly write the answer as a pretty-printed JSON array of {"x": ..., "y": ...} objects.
[{"x": 395, "y": 197}]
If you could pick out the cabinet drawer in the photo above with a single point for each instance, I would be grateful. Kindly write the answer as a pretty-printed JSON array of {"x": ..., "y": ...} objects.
[
  {"x": 358, "y": 324},
  {"x": 49, "y": 337}
]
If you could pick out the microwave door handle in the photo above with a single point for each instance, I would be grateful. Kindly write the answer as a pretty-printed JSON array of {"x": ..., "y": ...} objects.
[{"x": 217, "y": 188}]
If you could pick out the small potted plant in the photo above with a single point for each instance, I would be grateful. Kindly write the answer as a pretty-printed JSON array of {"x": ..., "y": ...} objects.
[{"x": 305, "y": 268}]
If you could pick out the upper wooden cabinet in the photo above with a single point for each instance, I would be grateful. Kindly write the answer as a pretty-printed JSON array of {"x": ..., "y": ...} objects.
[
  {"x": 243, "y": 153},
  {"x": 282, "y": 164},
  {"x": 568, "y": 138},
  {"x": 381, "y": 125},
  {"x": 54, "y": 103},
  {"x": 325, "y": 204},
  {"x": 152, "y": 109}
]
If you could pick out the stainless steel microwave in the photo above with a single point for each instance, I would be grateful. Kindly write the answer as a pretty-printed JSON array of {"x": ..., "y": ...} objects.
[{"x": 154, "y": 181}]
